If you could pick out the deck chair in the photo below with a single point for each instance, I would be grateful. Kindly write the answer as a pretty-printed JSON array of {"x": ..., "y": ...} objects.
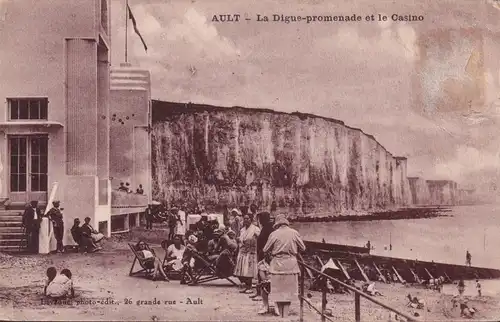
[
  {"x": 206, "y": 271},
  {"x": 147, "y": 267}
]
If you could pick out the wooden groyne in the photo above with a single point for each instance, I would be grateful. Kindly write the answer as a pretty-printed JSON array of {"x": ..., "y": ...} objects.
[{"x": 357, "y": 263}]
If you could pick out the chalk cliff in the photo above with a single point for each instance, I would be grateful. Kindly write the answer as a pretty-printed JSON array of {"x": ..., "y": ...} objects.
[{"x": 233, "y": 156}]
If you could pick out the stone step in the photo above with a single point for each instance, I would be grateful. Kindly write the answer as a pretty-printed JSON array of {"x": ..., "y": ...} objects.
[
  {"x": 13, "y": 242},
  {"x": 11, "y": 218},
  {"x": 10, "y": 212},
  {"x": 11, "y": 235},
  {"x": 10, "y": 229},
  {"x": 11, "y": 223},
  {"x": 11, "y": 249}
]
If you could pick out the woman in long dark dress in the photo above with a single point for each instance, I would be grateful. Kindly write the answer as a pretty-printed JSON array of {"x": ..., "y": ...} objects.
[{"x": 266, "y": 226}]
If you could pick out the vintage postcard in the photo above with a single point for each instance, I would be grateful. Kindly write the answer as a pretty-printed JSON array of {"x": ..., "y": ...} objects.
[{"x": 218, "y": 160}]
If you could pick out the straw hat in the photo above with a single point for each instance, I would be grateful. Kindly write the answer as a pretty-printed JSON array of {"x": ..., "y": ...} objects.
[
  {"x": 280, "y": 220},
  {"x": 218, "y": 232},
  {"x": 237, "y": 211}
]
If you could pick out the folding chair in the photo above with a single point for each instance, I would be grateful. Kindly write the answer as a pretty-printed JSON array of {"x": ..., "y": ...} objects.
[
  {"x": 147, "y": 267},
  {"x": 207, "y": 272}
]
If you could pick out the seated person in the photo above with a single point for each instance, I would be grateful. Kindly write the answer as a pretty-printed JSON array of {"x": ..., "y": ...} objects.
[
  {"x": 225, "y": 261},
  {"x": 175, "y": 253},
  {"x": 51, "y": 274},
  {"x": 61, "y": 286},
  {"x": 370, "y": 289},
  {"x": 415, "y": 302},
  {"x": 84, "y": 242},
  {"x": 89, "y": 231},
  {"x": 151, "y": 261},
  {"x": 188, "y": 261},
  {"x": 122, "y": 187}
]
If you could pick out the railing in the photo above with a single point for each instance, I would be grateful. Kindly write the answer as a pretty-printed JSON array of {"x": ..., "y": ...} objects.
[{"x": 357, "y": 296}]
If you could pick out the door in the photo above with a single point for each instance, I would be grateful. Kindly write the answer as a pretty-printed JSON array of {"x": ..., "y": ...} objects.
[{"x": 28, "y": 168}]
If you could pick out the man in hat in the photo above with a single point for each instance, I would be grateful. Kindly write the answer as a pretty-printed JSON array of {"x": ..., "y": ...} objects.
[
  {"x": 56, "y": 217},
  {"x": 31, "y": 221},
  {"x": 172, "y": 222}
]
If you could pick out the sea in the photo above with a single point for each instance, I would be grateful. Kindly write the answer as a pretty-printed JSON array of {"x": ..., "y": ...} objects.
[{"x": 441, "y": 239}]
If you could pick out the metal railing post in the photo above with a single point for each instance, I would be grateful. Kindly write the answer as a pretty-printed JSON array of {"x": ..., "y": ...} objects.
[
  {"x": 357, "y": 307},
  {"x": 323, "y": 300},
  {"x": 301, "y": 296}
]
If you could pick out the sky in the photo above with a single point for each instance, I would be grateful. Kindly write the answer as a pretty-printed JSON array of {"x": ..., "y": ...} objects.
[{"x": 428, "y": 90}]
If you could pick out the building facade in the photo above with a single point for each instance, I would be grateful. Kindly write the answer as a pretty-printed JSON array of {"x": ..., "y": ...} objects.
[{"x": 56, "y": 126}]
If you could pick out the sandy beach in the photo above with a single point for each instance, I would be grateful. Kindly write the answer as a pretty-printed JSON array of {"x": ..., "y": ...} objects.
[{"x": 106, "y": 292}]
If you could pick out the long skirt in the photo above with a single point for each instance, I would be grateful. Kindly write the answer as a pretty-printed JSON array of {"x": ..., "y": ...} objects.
[
  {"x": 246, "y": 265},
  {"x": 284, "y": 288}
]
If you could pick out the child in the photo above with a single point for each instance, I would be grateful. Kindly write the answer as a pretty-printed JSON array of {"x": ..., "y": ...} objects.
[
  {"x": 51, "y": 274},
  {"x": 265, "y": 284},
  {"x": 478, "y": 287},
  {"x": 61, "y": 286}
]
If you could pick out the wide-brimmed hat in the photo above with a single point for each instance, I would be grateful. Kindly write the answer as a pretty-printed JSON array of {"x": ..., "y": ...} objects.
[
  {"x": 236, "y": 210},
  {"x": 56, "y": 202},
  {"x": 218, "y": 232},
  {"x": 280, "y": 220}
]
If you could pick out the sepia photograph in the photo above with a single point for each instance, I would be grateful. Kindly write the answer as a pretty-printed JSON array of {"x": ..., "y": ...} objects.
[{"x": 218, "y": 160}]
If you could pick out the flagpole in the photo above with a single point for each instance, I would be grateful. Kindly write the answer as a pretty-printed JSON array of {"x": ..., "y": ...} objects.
[{"x": 126, "y": 31}]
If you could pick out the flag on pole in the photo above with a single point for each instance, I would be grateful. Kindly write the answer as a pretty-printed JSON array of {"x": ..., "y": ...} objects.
[{"x": 134, "y": 23}]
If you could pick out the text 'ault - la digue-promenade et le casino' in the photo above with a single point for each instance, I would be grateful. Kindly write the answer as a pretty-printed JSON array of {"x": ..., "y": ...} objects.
[{"x": 281, "y": 18}]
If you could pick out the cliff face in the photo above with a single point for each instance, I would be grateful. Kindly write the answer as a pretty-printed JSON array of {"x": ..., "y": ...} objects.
[
  {"x": 443, "y": 192},
  {"x": 419, "y": 191},
  {"x": 235, "y": 156}
]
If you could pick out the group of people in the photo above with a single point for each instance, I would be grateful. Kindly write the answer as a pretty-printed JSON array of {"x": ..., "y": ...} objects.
[
  {"x": 249, "y": 246},
  {"x": 32, "y": 218},
  {"x": 58, "y": 286},
  {"x": 85, "y": 236},
  {"x": 125, "y": 187}
]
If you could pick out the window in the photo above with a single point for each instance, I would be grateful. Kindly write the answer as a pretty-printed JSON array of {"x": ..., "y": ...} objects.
[{"x": 28, "y": 108}]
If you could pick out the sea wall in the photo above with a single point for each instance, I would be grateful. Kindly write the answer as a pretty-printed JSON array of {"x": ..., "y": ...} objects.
[{"x": 235, "y": 156}]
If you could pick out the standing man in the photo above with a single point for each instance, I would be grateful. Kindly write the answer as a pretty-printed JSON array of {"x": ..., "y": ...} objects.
[
  {"x": 172, "y": 222},
  {"x": 149, "y": 217},
  {"x": 31, "y": 221},
  {"x": 55, "y": 215}
]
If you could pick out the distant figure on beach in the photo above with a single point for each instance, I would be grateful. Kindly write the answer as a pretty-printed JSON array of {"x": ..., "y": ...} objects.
[
  {"x": 368, "y": 245},
  {"x": 140, "y": 190},
  {"x": 478, "y": 287},
  {"x": 468, "y": 258},
  {"x": 461, "y": 287}
]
